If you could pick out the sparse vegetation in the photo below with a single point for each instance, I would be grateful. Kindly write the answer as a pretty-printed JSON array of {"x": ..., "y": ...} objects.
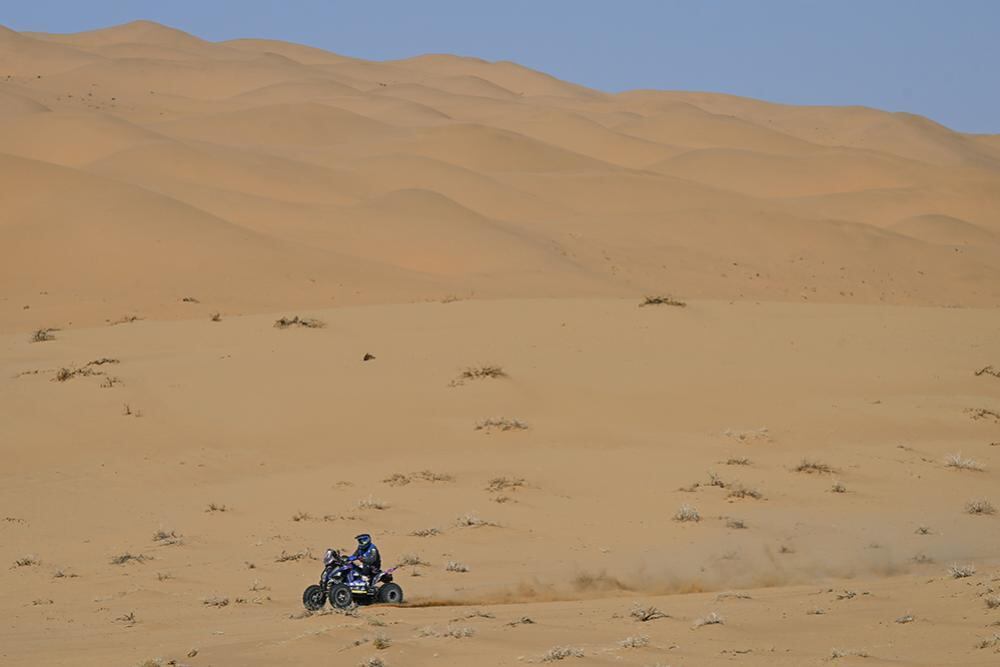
[
  {"x": 662, "y": 301},
  {"x": 810, "y": 466},
  {"x": 215, "y": 601},
  {"x": 372, "y": 503},
  {"x": 904, "y": 619},
  {"x": 842, "y": 653},
  {"x": 732, "y": 596},
  {"x": 308, "y": 323},
  {"x": 740, "y": 491},
  {"x": 989, "y": 642},
  {"x": 213, "y": 507},
  {"x": 285, "y": 557},
  {"x": 42, "y": 335},
  {"x": 735, "y": 524},
  {"x": 709, "y": 619},
  {"x": 163, "y": 576},
  {"x": 167, "y": 537},
  {"x": 455, "y": 566},
  {"x": 63, "y": 574},
  {"x": 958, "y": 462},
  {"x": 481, "y": 372},
  {"x": 453, "y": 631},
  {"x": 634, "y": 642},
  {"x": 373, "y": 662},
  {"x": 409, "y": 560},
  {"x": 501, "y": 424},
  {"x": 431, "y": 476},
  {"x": 396, "y": 479},
  {"x": 27, "y": 561},
  {"x": 127, "y": 557},
  {"x": 128, "y": 619},
  {"x": 988, "y": 370},
  {"x": 644, "y": 614},
  {"x": 982, "y": 413},
  {"x": 301, "y": 516},
  {"x": 992, "y": 601},
  {"x": 956, "y": 571},
  {"x": 923, "y": 530},
  {"x": 980, "y": 507},
  {"x": 838, "y": 487},
  {"x": 472, "y": 521},
  {"x": 524, "y": 620},
  {"x": 738, "y": 461},
  {"x": 687, "y": 513},
  {"x": 498, "y": 484},
  {"x": 215, "y": 317},
  {"x": 561, "y": 653},
  {"x": 752, "y": 435},
  {"x": 425, "y": 532},
  {"x": 381, "y": 641}
]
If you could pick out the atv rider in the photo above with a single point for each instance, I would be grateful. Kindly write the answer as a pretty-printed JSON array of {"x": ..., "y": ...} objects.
[{"x": 366, "y": 559}]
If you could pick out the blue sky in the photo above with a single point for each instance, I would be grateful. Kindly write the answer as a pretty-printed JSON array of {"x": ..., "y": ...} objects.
[{"x": 940, "y": 59}]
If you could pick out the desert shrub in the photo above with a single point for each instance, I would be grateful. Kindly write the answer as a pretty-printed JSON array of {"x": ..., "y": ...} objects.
[
  {"x": 561, "y": 653},
  {"x": 738, "y": 461},
  {"x": 381, "y": 641},
  {"x": 501, "y": 424},
  {"x": 752, "y": 435},
  {"x": 472, "y": 521},
  {"x": 709, "y": 619},
  {"x": 844, "y": 653},
  {"x": 740, "y": 491},
  {"x": 407, "y": 560},
  {"x": 634, "y": 642},
  {"x": 923, "y": 530},
  {"x": 127, "y": 557},
  {"x": 453, "y": 631},
  {"x": 431, "y": 476},
  {"x": 396, "y": 479},
  {"x": 644, "y": 614},
  {"x": 42, "y": 335},
  {"x": 956, "y": 571},
  {"x": 979, "y": 507},
  {"x": 904, "y": 619},
  {"x": 662, "y": 301},
  {"x": 167, "y": 537},
  {"x": 372, "y": 662},
  {"x": 215, "y": 601},
  {"x": 687, "y": 513},
  {"x": 213, "y": 507},
  {"x": 309, "y": 323},
  {"x": 504, "y": 483},
  {"x": 285, "y": 557},
  {"x": 371, "y": 503},
  {"x": 988, "y": 370},
  {"x": 735, "y": 524},
  {"x": 27, "y": 561},
  {"x": 810, "y": 466},
  {"x": 425, "y": 532},
  {"x": 481, "y": 372},
  {"x": 838, "y": 487},
  {"x": 455, "y": 566},
  {"x": 958, "y": 462},
  {"x": 992, "y": 601},
  {"x": 301, "y": 516}
]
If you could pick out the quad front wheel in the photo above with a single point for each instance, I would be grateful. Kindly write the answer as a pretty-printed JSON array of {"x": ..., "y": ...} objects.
[{"x": 314, "y": 598}]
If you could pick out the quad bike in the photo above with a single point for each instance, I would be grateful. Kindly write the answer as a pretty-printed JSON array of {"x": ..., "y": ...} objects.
[{"x": 337, "y": 585}]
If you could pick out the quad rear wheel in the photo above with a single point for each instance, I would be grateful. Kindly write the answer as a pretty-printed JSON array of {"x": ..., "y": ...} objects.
[
  {"x": 340, "y": 596},
  {"x": 314, "y": 598},
  {"x": 390, "y": 594}
]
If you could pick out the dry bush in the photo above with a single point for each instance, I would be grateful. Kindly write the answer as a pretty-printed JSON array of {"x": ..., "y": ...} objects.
[
  {"x": 735, "y": 524},
  {"x": 301, "y": 516},
  {"x": 215, "y": 317},
  {"x": 372, "y": 662},
  {"x": 561, "y": 653},
  {"x": 844, "y": 653},
  {"x": 709, "y": 619},
  {"x": 63, "y": 574},
  {"x": 42, "y": 335},
  {"x": 407, "y": 560},
  {"x": 740, "y": 491},
  {"x": 498, "y": 484},
  {"x": 501, "y": 424},
  {"x": 213, "y": 507},
  {"x": 396, "y": 479},
  {"x": 989, "y": 642},
  {"x": 128, "y": 319},
  {"x": 128, "y": 619},
  {"x": 979, "y": 507},
  {"x": 634, "y": 642},
  {"x": 904, "y": 619},
  {"x": 732, "y": 596},
  {"x": 371, "y": 503},
  {"x": 127, "y": 557},
  {"x": 715, "y": 480},
  {"x": 431, "y": 476},
  {"x": 167, "y": 538},
  {"x": 662, "y": 301},
  {"x": 27, "y": 561},
  {"x": 982, "y": 413},
  {"x": 453, "y": 631},
  {"x": 309, "y": 323},
  {"x": 129, "y": 411},
  {"x": 425, "y": 532},
  {"x": 958, "y": 462},
  {"x": 923, "y": 530},
  {"x": 752, "y": 435},
  {"x": 481, "y": 372},
  {"x": 838, "y": 487},
  {"x": 472, "y": 521},
  {"x": 285, "y": 557},
  {"x": 215, "y": 601},
  {"x": 524, "y": 620},
  {"x": 644, "y": 614},
  {"x": 988, "y": 370},
  {"x": 817, "y": 611},
  {"x": 810, "y": 466},
  {"x": 455, "y": 566},
  {"x": 687, "y": 513},
  {"x": 738, "y": 461},
  {"x": 956, "y": 571},
  {"x": 381, "y": 641},
  {"x": 163, "y": 576}
]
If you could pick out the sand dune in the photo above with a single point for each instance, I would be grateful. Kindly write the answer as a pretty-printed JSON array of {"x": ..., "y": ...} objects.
[{"x": 823, "y": 391}]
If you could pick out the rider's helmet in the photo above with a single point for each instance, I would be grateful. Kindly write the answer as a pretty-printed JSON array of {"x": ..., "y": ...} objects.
[
  {"x": 329, "y": 557},
  {"x": 364, "y": 539}
]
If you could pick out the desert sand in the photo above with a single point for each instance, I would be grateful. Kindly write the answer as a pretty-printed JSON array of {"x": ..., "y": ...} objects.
[{"x": 818, "y": 394}]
